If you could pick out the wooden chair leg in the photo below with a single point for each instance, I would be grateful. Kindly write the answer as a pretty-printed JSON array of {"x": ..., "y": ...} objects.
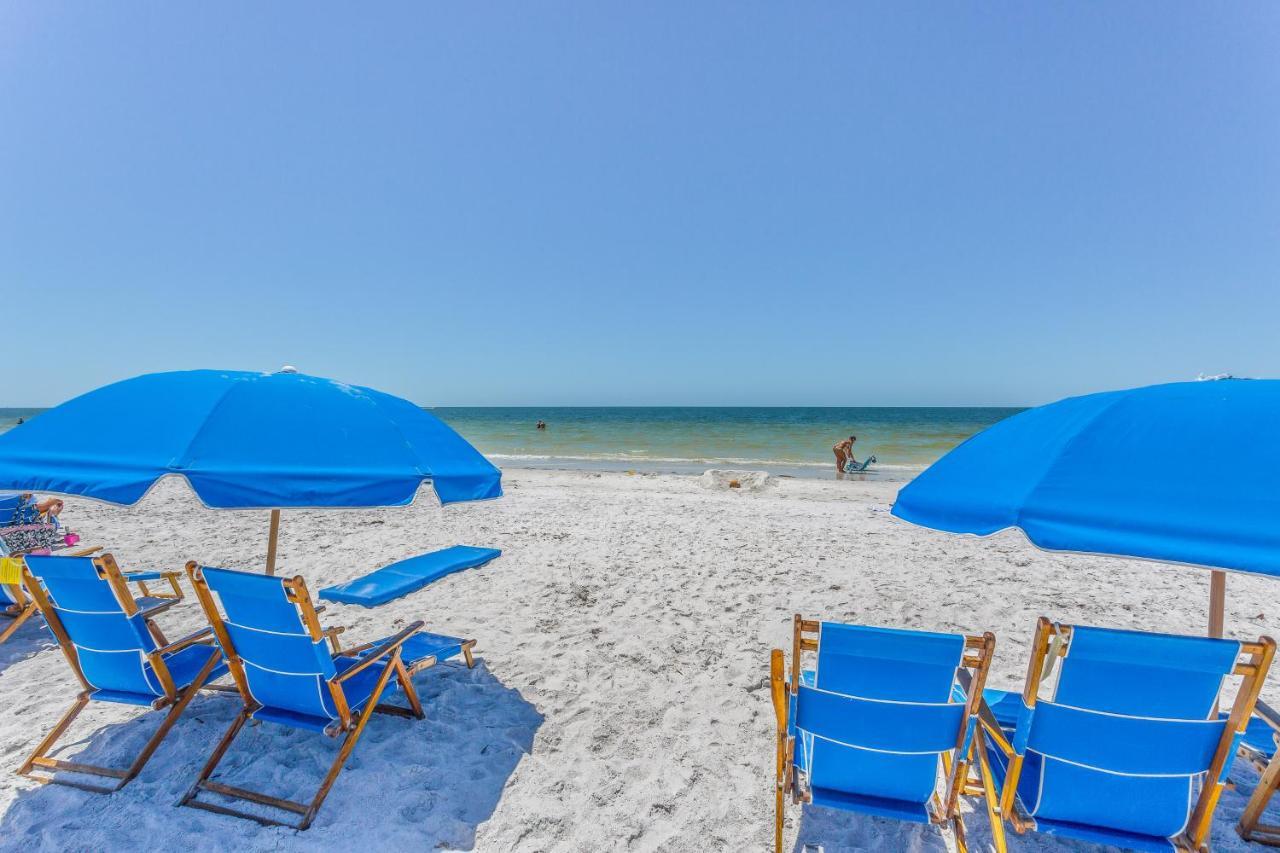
[
  {"x": 218, "y": 751},
  {"x": 957, "y": 826},
  {"x": 466, "y": 654},
  {"x": 991, "y": 796},
  {"x": 348, "y": 745},
  {"x": 39, "y": 759},
  {"x": 406, "y": 684},
  {"x": 172, "y": 717},
  {"x": 779, "y": 804},
  {"x": 1267, "y": 786},
  {"x": 52, "y": 737},
  {"x": 27, "y": 612}
]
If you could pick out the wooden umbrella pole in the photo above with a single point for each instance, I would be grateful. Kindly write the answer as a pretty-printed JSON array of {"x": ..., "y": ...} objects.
[
  {"x": 271, "y": 541},
  {"x": 1217, "y": 602}
]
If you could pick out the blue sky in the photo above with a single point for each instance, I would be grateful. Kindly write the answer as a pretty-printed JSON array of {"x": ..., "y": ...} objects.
[{"x": 642, "y": 203}]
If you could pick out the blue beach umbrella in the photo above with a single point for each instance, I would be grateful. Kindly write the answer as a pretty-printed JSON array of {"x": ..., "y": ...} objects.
[
  {"x": 245, "y": 440},
  {"x": 1187, "y": 472}
]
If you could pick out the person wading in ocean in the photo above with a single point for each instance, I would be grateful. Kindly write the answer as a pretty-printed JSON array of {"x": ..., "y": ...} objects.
[{"x": 844, "y": 452}]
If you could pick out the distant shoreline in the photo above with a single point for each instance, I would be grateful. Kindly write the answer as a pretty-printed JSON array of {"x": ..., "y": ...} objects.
[{"x": 693, "y": 467}]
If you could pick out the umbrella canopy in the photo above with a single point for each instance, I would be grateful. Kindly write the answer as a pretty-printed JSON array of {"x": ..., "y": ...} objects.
[
  {"x": 1184, "y": 472},
  {"x": 243, "y": 440}
]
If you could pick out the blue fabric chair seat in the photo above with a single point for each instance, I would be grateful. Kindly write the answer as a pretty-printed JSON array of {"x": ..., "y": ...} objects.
[
  {"x": 406, "y": 576},
  {"x": 184, "y": 665},
  {"x": 1063, "y": 829},
  {"x": 360, "y": 687},
  {"x": 1258, "y": 736},
  {"x": 421, "y": 646},
  {"x": 1005, "y": 705},
  {"x": 878, "y": 806}
]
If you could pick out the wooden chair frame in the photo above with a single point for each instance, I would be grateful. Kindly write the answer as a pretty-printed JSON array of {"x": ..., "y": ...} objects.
[
  {"x": 1051, "y": 639},
  {"x": 24, "y": 607},
  {"x": 349, "y": 724},
  {"x": 175, "y": 700},
  {"x": 1250, "y": 826},
  {"x": 976, "y": 661}
]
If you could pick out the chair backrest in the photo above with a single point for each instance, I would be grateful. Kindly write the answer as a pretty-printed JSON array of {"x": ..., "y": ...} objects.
[
  {"x": 89, "y": 607},
  {"x": 277, "y": 648},
  {"x": 9, "y": 508},
  {"x": 879, "y": 712},
  {"x": 1130, "y": 729}
]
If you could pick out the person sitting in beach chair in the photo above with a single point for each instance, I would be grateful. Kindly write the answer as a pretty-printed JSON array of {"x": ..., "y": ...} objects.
[
  {"x": 28, "y": 525},
  {"x": 117, "y": 652},
  {"x": 270, "y": 631},
  {"x": 1114, "y": 751},
  {"x": 865, "y": 729}
]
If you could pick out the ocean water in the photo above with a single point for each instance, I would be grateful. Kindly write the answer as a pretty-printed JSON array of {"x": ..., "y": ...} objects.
[{"x": 784, "y": 440}]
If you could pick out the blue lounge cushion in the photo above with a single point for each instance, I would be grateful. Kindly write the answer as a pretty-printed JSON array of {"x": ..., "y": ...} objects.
[{"x": 406, "y": 576}]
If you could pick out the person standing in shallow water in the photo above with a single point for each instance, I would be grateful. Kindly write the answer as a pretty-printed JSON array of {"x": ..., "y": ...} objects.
[
  {"x": 542, "y": 425},
  {"x": 844, "y": 452}
]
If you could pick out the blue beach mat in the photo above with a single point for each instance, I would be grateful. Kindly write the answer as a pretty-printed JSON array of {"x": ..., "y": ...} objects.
[{"x": 406, "y": 576}]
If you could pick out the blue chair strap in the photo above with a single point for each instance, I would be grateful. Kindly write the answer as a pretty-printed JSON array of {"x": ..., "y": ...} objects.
[
  {"x": 1122, "y": 744},
  {"x": 907, "y": 728}
]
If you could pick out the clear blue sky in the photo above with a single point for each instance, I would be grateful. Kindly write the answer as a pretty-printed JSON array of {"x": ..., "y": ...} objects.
[{"x": 642, "y": 203}]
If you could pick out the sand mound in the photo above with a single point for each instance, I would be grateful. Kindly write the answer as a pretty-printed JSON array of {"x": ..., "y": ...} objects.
[{"x": 747, "y": 481}]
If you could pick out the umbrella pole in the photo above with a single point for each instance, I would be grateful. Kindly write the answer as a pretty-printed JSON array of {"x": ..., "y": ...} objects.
[
  {"x": 271, "y": 541},
  {"x": 1217, "y": 602}
]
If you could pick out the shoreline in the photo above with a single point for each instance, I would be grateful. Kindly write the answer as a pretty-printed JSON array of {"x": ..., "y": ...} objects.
[{"x": 694, "y": 467}]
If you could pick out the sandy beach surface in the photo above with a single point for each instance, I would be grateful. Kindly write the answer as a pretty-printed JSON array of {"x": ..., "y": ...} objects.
[{"x": 621, "y": 699}]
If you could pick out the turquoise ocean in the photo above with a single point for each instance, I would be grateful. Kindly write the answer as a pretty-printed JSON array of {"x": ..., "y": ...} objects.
[{"x": 792, "y": 441}]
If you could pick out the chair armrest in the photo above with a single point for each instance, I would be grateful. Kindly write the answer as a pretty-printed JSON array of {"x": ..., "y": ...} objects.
[
  {"x": 145, "y": 576},
  {"x": 189, "y": 640},
  {"x": 778, "y": 688},
  {"x": 382, "y": 651},
  {"x": 85, "y": 552},
  {"x": 148, "y": 612},
  {"x": 141, "y": 579}
]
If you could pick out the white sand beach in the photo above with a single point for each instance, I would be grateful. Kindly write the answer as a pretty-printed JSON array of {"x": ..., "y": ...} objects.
[{"x": 621, "y": 700}]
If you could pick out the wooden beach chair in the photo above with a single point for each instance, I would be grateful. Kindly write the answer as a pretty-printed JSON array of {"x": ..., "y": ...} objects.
[
  {"x": 1115, "y": 749},
  {"x": 1259, "y": 747},
  {"x": 292, "y": 672},
  {"x": 865, "y": 729},
  {"x": 117, "y": 653},
  {"x": 19, "y": 607}
]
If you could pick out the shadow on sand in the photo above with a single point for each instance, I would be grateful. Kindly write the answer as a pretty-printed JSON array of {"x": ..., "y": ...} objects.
[
  {"x": 835, "y": 831},
  {"x": 31, "y": 638},
  {"x": 409, "y": 784}
]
